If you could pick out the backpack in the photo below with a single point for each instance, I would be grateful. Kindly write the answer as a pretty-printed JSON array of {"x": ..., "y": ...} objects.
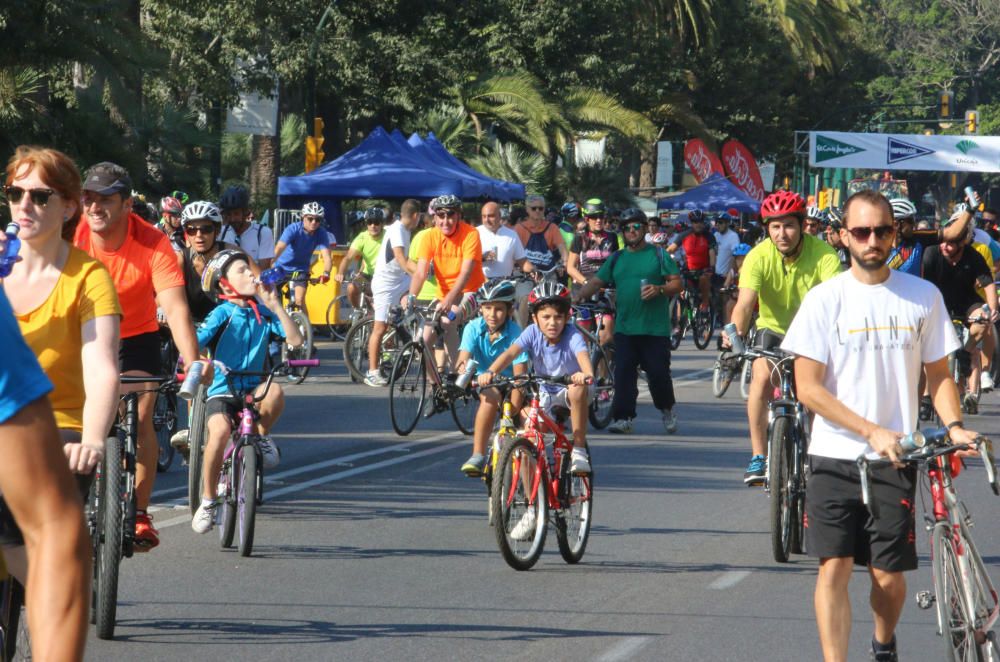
[{"x": 661, "y": 257}]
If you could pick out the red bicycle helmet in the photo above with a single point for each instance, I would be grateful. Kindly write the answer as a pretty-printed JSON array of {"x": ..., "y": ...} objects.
[{"x": 783, "y": 203}]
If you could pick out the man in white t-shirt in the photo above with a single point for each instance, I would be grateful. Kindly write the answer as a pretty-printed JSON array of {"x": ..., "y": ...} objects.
[
  {"x": 861, "y": 340},
  {"x": 238, "y": 228},
  {"x": 390, "y": 281},
  {"x": 502, "y": 248},
  {"x": 725, "y": 241}
]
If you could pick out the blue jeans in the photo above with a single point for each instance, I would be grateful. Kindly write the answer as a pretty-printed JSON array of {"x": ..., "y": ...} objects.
[{"x": 652, "y": 353}]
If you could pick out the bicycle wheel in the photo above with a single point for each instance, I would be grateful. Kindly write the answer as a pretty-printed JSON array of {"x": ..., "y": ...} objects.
[
  {"x": 955, "y": 619},
  {"x": 338, "y": 330},
  {"x": 513, "y": 502},
  {"x": 746, "y": 376},
  {"x": 196, "y": 444},
  {"x": 303, "y": 351},
  {"x": 246, "y": 499},
  {"x": 229, "y": 485},
  {"x": 703, "y": 327},
  {"x": 11, "y": 601},
  {"x": 984, "y": 596},
  {"x": 602, "y": 360},
  {"x": 408, "y": 388},
  {"x": 574, "y": 518},
  {"x": 779, "y": 447},
  {"x": 722, "y": 373},
  {"x": 356, "y": 349},
  {"x": 111, "y": 518},
  {"x": 463, "y": 410},
  {"x": 678, "y": 321},
  {"x": 165, "y": 424}
]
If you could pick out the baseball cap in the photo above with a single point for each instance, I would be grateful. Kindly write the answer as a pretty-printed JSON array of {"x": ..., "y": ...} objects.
[{"x": 106, "y": 178}]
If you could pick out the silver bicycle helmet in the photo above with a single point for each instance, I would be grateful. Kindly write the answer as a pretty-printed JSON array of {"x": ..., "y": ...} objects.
[
  {"x": 201, "y": 210},
  {"x": 445, "y": 202},
  {"x": 902, "y": 208},
  {"x": 497, "y": 289},
  {"x": 313, "y": 209}
]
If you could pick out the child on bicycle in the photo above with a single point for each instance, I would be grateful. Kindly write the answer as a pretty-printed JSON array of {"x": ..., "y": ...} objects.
[
  {"x": 239, "y": 329},
  {"x": 732, "y": 280},
  {"x": 556, "y": 349},
  {"x": 483, "y": 340}
]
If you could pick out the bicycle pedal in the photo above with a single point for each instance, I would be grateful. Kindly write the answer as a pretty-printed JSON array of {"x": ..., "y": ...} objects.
[{"x": 925, "y": 599}]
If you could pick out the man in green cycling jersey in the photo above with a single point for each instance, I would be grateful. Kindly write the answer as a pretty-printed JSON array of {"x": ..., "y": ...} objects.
[
  {"x": 365, "y": 247},
  {"x": 776, "y": 275}
]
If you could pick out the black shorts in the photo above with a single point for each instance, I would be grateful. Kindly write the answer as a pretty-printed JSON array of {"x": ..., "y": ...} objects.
[
  {"x": 767, "y": 339},
  {"x": 838, "y": 523},
  {"x": 141, "y": 352},
  {"x": 229, "y": 406}
]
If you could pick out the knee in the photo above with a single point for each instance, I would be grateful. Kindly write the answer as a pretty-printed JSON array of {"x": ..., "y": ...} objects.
[
  {"x": 577, "y": 393},
  {"x": 835, "y": 573}
]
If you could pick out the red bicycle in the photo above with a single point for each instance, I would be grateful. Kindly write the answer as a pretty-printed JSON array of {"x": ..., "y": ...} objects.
[{"x": 530, "y": 480}]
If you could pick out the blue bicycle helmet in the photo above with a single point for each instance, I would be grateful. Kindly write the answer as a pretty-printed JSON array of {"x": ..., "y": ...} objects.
[{"x": 741, "y": 249}]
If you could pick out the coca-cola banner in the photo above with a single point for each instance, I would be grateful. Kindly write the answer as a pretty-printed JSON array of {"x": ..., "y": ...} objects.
[
  {"x": 701, "y": 160},
  {"x": 741, "y": 168}
]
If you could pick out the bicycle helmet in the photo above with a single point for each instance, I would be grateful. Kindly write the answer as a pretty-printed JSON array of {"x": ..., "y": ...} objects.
[
  {"x": 171, "y": 205},
  {"x": 741, "y": 249},
  {"x": 548, "y": 292},
  {"x": 835, "y": 218},
  {"x": 234, "y": 197},
  {"x": 634, "y": 215},
  {"x": 496, "y": 290},
  {"x": 903, "y": 208},
  {"x": 375, "y": 215},
  {"x": 725, "y": 217},
  {"x": 696, "y": 216},
  {"x": 215, "y": 271},
  {"x": 812, "y": 211},
  {"x": 181, "y": 196},
  {"x": 313, "y": 209},
  {"x": 594, "y": 207},
  {"x": 445, "y": 202},
  {"x": 201, "y": 210},
  {"x": 570, "y": 210},
  {"x": 783, "y": 203}
]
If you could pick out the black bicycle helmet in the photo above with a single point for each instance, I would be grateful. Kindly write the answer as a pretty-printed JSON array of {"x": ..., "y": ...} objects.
[
  {"x": 445, "y": 202},
  {"x": 215, "y": 270},
  {"x": 375, "y": 215},
  {"x": 234, "y": 197},
  {"x": 594, "y": 207},
  {"x": 496, "y": 289},
  {"x": 633, "y": 215}
]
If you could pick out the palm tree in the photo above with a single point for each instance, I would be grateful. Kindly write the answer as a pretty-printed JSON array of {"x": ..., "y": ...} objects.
[{"x": 513, "y": 164}]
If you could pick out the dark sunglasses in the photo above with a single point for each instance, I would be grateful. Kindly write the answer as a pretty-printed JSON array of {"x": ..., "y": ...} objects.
[
  {"x": 537, "y": 208},
  {"x": 39, "y": 196},
  {"x": 199, "y": 229},
  {"x": 446, "y": 214},
  {"x": 635, "y": 227},
  {"x": 374, "y": 222},
  {"x": 881, "y": 232}
]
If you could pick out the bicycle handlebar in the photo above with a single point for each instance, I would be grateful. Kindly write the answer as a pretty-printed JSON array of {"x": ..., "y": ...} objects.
[{"x": 524, "y": 380}]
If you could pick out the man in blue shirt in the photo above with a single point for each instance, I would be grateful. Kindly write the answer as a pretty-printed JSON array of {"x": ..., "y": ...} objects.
[{"x": 293, "y": 253}]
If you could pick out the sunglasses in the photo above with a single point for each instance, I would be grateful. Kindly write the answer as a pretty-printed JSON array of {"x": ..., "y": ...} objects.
[
  {"x": 374, "y": 222},
  {"x": 597, "y": 217},
  {"x": 635, "y": 227},
  {"x": 881, "y": 232},
  {"x": 446, "y": 214},
  {"x": 39, "y": 196},
  {"x": 537, "y": 208},
  {"x": 199, "y": 229}
]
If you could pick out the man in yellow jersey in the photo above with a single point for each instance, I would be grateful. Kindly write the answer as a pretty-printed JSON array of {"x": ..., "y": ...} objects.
[{"x": 776, "y": 275}]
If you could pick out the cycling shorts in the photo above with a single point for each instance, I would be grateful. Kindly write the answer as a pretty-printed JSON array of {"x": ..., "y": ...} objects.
[
  {"x": 229, "y": 406},
  {"x": 838, "y": 524},
  {"x": 767, "y": 339},
  {"x": 141, "y": 352}
]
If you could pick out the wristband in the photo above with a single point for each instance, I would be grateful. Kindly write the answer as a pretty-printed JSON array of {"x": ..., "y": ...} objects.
[{"x": 956, "y": 424}]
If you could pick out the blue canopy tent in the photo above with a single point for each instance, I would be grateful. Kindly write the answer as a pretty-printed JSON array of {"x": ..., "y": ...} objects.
[
  {"x": 714, "y": 194},
  {"x": 432, "y": 149}
]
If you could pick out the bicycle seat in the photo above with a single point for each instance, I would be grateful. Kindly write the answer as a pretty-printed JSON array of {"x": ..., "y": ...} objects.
[{"x": 560, "y": 414}]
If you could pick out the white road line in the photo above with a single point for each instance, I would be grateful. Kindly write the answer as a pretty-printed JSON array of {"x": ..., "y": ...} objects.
[
  {"x": 693, "y": 377},
  {"x": 729, "y": 579},
  {"x": 329, "y": 478},
  {"x": 624, "y": 649}
]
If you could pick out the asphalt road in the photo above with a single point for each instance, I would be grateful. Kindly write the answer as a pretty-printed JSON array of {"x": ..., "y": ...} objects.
[{"x": 375, "y": 547}]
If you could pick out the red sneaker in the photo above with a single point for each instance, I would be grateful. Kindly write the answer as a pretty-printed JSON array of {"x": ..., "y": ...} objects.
[{"x": 146, "y": 537}]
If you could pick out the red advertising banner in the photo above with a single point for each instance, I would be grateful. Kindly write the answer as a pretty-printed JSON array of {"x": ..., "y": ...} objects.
[
  {"x": 742, "y": 170},
  {"x": 701, "y": 160}
]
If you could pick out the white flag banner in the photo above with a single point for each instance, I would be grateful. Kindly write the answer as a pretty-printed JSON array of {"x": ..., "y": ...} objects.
[
  {"x": 664, "y": 164},
  {"x": 892, "y": 151}
]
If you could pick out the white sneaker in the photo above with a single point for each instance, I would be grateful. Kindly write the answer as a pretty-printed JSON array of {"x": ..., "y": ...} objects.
[
  {"x": 525, "y": 529},
  {"x": 204, "y": 518},
  {"x": 986, "y": 382},
  {"x": 579, "y": 463},
  {"x": 669, "y": 421},
  {"x": 269, "y": 451},
  {"x": 375, "y": 378},
  {"x": 620, "y": 426}
]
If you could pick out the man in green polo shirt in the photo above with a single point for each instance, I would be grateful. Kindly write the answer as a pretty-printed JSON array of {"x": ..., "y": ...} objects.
[
  {"x": 776, "y": 275},
  {"x": 364, "y": 247}
]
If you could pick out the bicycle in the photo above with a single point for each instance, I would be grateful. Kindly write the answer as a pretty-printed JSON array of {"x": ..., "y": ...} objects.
[
  {"x": 165, "y": 412},
  {"x": 341, "y": 304},
  {"x": 687, "y": 312},
  {"x": 408, "y": 382},
  {"x": 728, "y": 365},
  {"x": 960, "y": 362},
  {"x": 526, "y": 481},
  {"x": 966, "y": 601},
  {"x": 289, "y": 354},
  {"x": 13, "y": 626},
  {"x": 506, "y": 431},
  {"x": 111, "y": 504},
  {"x": 356, "y": 344},
  {"x": 602, "y": 357},
  {"x": 241, "y": 480}
]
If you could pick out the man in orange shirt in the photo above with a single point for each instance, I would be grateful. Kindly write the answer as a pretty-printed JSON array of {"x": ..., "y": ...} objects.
[
  {"x": 145, "y": 272},
  {"x": 454, "y": 248}
]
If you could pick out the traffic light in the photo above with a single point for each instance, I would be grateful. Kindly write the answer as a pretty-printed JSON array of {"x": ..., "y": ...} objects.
[
  {"x": 972, "y": 122},
  {"x": 311, "y": 158},
  {"x": 823, "y": 200},
  {"x": 314, "y": 146},
  {"x": 946, "y": 100}
]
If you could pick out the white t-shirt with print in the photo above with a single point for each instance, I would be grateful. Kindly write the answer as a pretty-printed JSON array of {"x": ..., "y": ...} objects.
[
  {"x": 724, "y": 245},
  {"x": 389, "y": 276},
  {"x": 874, "y": 340},
  {"x": 508, "y": 247},
  {"x": 257, "y": 240}
]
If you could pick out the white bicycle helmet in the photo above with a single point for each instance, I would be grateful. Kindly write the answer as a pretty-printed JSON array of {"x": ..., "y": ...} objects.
[
  {"x": 445, "y": 202},
  {"x": 313, "y": 209},
  {"x": 812, "y": 211},
  {"x": 500, "y": 289},
  {"x": 201, "y": 210},
  {"x": 902, "y": 208}
]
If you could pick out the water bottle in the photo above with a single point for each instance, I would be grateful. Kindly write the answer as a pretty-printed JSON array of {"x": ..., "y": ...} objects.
[
  {"x": 642, "y": 285},
  {"x": 470, "y": 369},
  {"x": 738, "y": 346},
  {"x": 972, "y": 199},
  {"x": 11, "y": 249},
  {"x": 272, "y": 276},
  {"x": 913, "y": 441},
  {"x": 190, "y": 386}
]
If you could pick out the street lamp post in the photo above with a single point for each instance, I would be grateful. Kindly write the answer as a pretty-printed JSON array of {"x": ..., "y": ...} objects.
[{"x": 313, "y": 51}]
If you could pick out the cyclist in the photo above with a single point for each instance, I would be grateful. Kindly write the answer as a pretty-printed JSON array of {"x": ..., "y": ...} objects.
[
  {"x": 833, "y": 238},
  {"x": 861, "y": 340},
  {"x": 544, "y": 246},
  {"x": 293, "y": 253},
  {"x": 239, "y": 331},
  {"x": 816, "y": 220},
  {"x": 643, "y": 334},
  {"x": 587, "y": 254},
  {"x": 726, "y": 241},
  {"x": 364, "y": 248},
  {"x": 390, "y": 281},
  {"x": 699, "y": 249},
  {"x": 556, "y": 348},
  {"x": 202, "y": 222},
  {"x": 502, "y": 248},
  {"x": 568, "y": 219},
  {"x": 241, "y": 230},
  {"x": 144, "y": 269},
  {"x": 732, "y": 280},
  {"x": 457, "y": 255},
  {"x": 776, "y": 275},
  {"x": 483, "y": 340},
  {"x": 170, "y": 222}
]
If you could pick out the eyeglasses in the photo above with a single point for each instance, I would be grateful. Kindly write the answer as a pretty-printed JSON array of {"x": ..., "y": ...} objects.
[
  {"x": 537, "y": 208},
  {"x": 39, "y": 196},
  {"x": 374, "y": 222},
  {"x": 881, "y": 232},
  {"x": 310, "y": 219},
  {"x": 192, "y": 230},
  {"x": 596, "y": 217},
  {"x": 450, "y": 213},
  {"x": 635, "y": 227}
]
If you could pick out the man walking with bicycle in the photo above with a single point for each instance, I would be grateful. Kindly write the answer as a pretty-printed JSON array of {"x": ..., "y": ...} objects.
[{"x": 861, "y": 340}]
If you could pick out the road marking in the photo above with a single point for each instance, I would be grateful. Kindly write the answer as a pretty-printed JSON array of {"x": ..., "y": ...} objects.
[
  {"x": 624, "y": 649},
  {"x": 340, "y": 475},
  {"x": 694, "y": 377},
  {"x": 729, "y": 579}
]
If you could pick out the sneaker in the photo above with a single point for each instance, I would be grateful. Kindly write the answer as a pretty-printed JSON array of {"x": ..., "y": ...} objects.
[
  {"x": 883, "y": 653},
  {"x": 429, "y": 408},
  {"x": 525, "y": 529},
  {"x": 579, "y": 463},
  {"x": 375, "y": 378},
  {"x": 179, "y": 441},
  {"x": 474, "y": 466},
  {"x": 986, "y": 382},
  {"x": 669, "y": 421},
  {"x": 269, "y": 451},
  {"x": 971, "y": 403},
  {"x": 755, "y": 470},
  {"x": 146, "y": 537},
  {"x": 620, "y": 426},
  {"x": 204, "y": 517},
  {"x": 926, "y": 408}
]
